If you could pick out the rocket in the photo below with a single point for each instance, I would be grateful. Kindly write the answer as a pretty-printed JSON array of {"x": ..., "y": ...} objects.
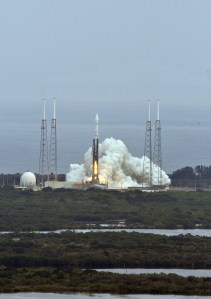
[{"x": 95, "y": 151}]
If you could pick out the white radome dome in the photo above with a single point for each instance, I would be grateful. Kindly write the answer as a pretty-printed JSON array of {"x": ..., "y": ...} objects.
[{"x": 27, "y": 180}]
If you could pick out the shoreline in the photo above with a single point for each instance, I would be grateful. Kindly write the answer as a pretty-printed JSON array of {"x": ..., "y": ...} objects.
[{"x": 66, "y": 281}]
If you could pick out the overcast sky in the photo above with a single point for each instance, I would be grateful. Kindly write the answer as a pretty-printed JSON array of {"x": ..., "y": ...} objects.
[{"x": 105, "y": 56}]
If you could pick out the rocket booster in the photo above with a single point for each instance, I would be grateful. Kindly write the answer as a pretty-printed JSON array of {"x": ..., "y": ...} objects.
[{"x": 95, "y": 150}]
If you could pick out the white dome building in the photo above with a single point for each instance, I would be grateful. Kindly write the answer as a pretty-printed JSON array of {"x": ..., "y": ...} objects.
[{"x": 28, "y": 180}]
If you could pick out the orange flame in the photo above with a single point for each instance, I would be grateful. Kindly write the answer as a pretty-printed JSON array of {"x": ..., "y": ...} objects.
[{"x": 95, "y": 168}]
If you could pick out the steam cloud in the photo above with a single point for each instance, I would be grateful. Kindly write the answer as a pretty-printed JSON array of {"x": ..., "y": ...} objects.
[{"x": 116, "y": 165}]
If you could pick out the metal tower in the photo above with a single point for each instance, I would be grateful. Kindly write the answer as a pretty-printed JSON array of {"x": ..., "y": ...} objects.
[
  {"x": 147, "y": 164},
  {"x": 43, "y": 162},
  {"x": 157, "y": 158},
  {"x": 53, "y": 147}
]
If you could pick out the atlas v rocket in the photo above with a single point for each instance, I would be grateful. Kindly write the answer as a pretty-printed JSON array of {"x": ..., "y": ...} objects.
[{"x": 95, "y": 151}]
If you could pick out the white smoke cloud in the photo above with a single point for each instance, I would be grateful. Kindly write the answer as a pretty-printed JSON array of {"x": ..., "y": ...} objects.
[{"x": 116, "y": 165}]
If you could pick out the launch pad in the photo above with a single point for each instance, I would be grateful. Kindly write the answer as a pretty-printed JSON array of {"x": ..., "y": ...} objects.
[
  {"x": 100, "y": 186},
  {"x": 111, "y": 166}
]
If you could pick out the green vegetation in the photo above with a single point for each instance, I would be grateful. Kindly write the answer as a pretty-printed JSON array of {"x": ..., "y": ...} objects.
[
  {"x": 200, "y": 172},
  {"x": 52, "y": 262},
  {"x": 104, "y": 250},
  {"x": 67, "y": 280},
  {"x": 51, "y": 210},
  {"x": 188, "y": 177}
]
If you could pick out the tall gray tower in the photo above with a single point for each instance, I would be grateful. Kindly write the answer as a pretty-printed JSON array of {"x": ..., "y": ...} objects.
[
  {"x": 157, "y": 158},
  {"x": 147, "y": 165},
  {"x": 53, "y": 146},
  {"x": 43, "y": 162}
]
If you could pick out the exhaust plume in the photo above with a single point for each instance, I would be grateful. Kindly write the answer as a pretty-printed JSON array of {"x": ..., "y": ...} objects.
[{"x": 116, "y": 165}]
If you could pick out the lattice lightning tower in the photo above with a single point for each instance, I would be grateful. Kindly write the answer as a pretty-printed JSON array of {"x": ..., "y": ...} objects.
[
  {"x": 147, "y": 164},
  {"x": 157, "y": 159},
  {"x": 43, "y": 162},
  {"x": 53, "y": 147}
]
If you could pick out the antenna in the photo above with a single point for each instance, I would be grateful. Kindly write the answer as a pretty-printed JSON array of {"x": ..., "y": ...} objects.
[
  {"x": 54, "y": 108},
  {"x": 149, "y": 112},
  {"x": 53, "y": 146},
  {"x": 43, "y": 161},
  {"x": 44, "y": 101},
  {"x": 147, "y": 164},
  {"x": 157, "y": 158},
  {"x": 158, "y": 109}
]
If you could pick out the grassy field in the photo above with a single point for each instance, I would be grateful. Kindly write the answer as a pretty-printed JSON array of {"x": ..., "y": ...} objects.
[{"x": 50, "y": 210}]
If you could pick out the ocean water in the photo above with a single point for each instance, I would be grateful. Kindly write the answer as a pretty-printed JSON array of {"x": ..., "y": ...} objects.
[{"x": 182, "y": 145}]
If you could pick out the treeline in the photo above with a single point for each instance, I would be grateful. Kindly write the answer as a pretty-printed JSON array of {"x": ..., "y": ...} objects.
[
  {"x": 25, "y": 210},
  {"x": 198, "y": 177},
  {"x": 104, "y": 250},
  {"x": 61, "y": 280},
  {"x": 200, "y": 172}
]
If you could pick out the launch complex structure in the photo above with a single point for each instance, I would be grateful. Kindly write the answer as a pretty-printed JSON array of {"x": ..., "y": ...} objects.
[
  {"x": 153, "y": 178},
  {"x": 48, "y": 159},
  {"x": 152, "y": 164}
]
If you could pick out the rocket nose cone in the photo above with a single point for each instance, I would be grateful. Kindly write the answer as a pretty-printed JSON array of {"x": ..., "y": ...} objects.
[{"x": 96, "y": 118}]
